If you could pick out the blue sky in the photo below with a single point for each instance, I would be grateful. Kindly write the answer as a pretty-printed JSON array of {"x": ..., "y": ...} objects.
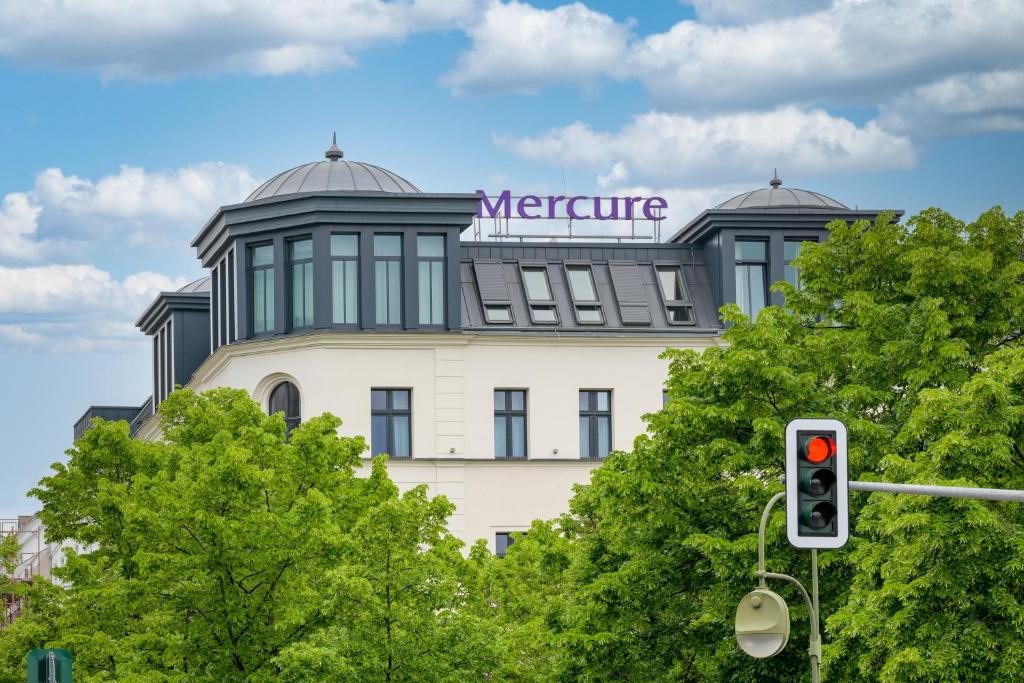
[{"x": 123, "y": 132}]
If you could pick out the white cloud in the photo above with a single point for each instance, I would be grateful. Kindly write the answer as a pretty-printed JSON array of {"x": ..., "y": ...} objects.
[
  {"x": 745, "y": 55},
  {"x": 666, "y": 149},
  {"x": 74, "y": 307},
  {"x": 145, "y": 40},
  {"x": 518, "y": 48},
  {"x": 751, "y": 11},
  {"x": 19, "y": 217},
  {"x": 857, "y": 51},
  {"x": 960, "y": 104},
  {"x": 140, "y": 204},
  {"x": 75, "y": 289}
]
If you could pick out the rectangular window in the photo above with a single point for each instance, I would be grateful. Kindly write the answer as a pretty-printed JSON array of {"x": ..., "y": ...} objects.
[
  {"x": 790, "y": 273},
  {"x": 261, "y": 285},
  {"x": 345, "y": 279},
  {"x": 391, "y": 428},
  {"x": 664, "y": 397},
  {"x": 678, "y": 304},
  {"x": 595, "y": 423},
  {"x": 751, "y": 276},
  {"x": 538, "y": 295},
  {"x": 502, "y": 540},
  {"x": 300, "y": 261},
  {"x": 430, "y": 255},
  {"x": 509, "y": 423},
  {"x": 584, "y": 295},
  {"x": 387, "y": 254}
]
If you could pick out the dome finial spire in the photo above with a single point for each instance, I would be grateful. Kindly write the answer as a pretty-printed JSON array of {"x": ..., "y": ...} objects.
[
  {"x": 333, "y": 153},
  {"x": 775, "y": 181}
]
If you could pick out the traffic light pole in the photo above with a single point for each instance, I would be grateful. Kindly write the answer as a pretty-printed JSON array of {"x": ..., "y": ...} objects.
[{"x": 814, "y": 647}]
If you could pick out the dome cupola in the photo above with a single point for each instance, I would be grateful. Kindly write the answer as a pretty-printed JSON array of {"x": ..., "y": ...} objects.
[
  {"x": 334, "y": 174},
  {"x": 777, "y": 197}
]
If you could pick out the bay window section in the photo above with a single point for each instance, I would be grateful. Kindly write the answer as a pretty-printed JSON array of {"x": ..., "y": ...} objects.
[
  {"x": 387, "y": 255},
  {"x": 261, "y": 288},
  {"x": 430, "y": 257},
  {"x": 790, "y": 252},
  {"x": 751, "y": 276},
  {"x": 300, "y": 262},
  {"x": 345, "y": 279}
]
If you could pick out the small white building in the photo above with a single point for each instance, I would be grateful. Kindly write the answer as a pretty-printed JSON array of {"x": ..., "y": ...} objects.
[{"x": 499, "y": 370}]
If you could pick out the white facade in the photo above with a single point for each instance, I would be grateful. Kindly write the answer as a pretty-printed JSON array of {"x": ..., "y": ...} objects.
[{"x": 452, "y": 378}]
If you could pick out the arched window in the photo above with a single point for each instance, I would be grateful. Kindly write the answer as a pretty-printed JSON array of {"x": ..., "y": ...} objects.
[{"x": 285, "y": 399}]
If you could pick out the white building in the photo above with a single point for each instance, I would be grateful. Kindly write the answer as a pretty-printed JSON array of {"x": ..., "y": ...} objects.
[{"x": 499, "y": 372}]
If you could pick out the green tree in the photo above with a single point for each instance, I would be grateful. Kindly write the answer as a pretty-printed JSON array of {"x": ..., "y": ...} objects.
[
  {"x": 231, "y": 551},
  {"x": 909, "y": 334}
]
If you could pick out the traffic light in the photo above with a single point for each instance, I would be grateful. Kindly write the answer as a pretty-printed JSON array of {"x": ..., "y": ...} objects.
[{"x": 817, "y": 494}]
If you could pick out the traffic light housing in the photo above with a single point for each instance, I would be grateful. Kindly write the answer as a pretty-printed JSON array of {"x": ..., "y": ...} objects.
[{"x": 817, "y": 489}]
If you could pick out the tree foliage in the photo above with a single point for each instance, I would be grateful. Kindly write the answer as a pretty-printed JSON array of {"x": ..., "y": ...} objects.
[{"x": 232, "y": 552}]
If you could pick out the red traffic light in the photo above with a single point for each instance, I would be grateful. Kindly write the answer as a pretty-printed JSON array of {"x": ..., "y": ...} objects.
[{"x": 820, "y": 449}]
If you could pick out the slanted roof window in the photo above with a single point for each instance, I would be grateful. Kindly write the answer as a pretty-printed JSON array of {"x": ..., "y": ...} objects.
[
  {"x": 494, "y": 295},
  {"x": 629, "y": 292},
  {"x": 584, "y": 295},
  {"x": 678, "y": 305},
  {"x": 538, "y": 294}
]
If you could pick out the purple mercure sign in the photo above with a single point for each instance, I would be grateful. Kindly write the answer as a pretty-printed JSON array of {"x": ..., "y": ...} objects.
[{"x": 577, "y": 207}]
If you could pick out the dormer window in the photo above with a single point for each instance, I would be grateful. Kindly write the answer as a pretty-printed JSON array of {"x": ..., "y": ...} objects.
[
  {"x": 430, "y": 255},
  {"x": 751, "y": 276},
  {"x": 387, "y": 255},
  {"x": 300, "y": 265},
  {"x": 261, "y": 288},
  {"x": 584, "y": 295},
  {"x": 538, "y": 295}
]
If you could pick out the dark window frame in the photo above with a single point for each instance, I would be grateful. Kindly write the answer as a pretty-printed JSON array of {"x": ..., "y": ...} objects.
[
  {"x": 389, "y": 412},
  {"x": 765, "y": 263},
  {"x": 291, "y": 392},
  {"x": 250, "y": 270},
  {"x": 534, "y": 304},
  {"x": 443, "y": 260},
  {"x": 578, "y": 304},
  {"x": 292, "y": 263},
  {"x": 400, "y": 259},
  {"x": 672, "y": 304},
  {"x": 592, "y": 413},
  {"x": 358, "y": 266},
  {"x": 509, "y": 540},
  {"x": 508, "y": 413},
  {"x": 787, "y": 261}
]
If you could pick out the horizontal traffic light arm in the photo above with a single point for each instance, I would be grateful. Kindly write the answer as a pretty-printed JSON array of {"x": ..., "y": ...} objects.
[{"x": 1007, "y": 495}]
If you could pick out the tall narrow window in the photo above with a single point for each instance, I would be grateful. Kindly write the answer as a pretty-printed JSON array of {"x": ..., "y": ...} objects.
[
  {"x": 595, "y": 423},
  {"x": 300, "y": 261},
  {"x": 677, "y": 298},
  {"x": 790, "y": 250},
  {"x": 584, "y": 295},
  {"x": 285, "y": 399},
  {"x": 509, "y": 423},
  {"x": 751, "y": 276},
  {"x": 345, "y": 279},
  {"x": 387, "y": 255},
  {"x": 391, "y": 428},
  {"x": 430, "y": 255},
  {"x": 261, "y": 285},
  {"x": 538, "y": 295}
]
